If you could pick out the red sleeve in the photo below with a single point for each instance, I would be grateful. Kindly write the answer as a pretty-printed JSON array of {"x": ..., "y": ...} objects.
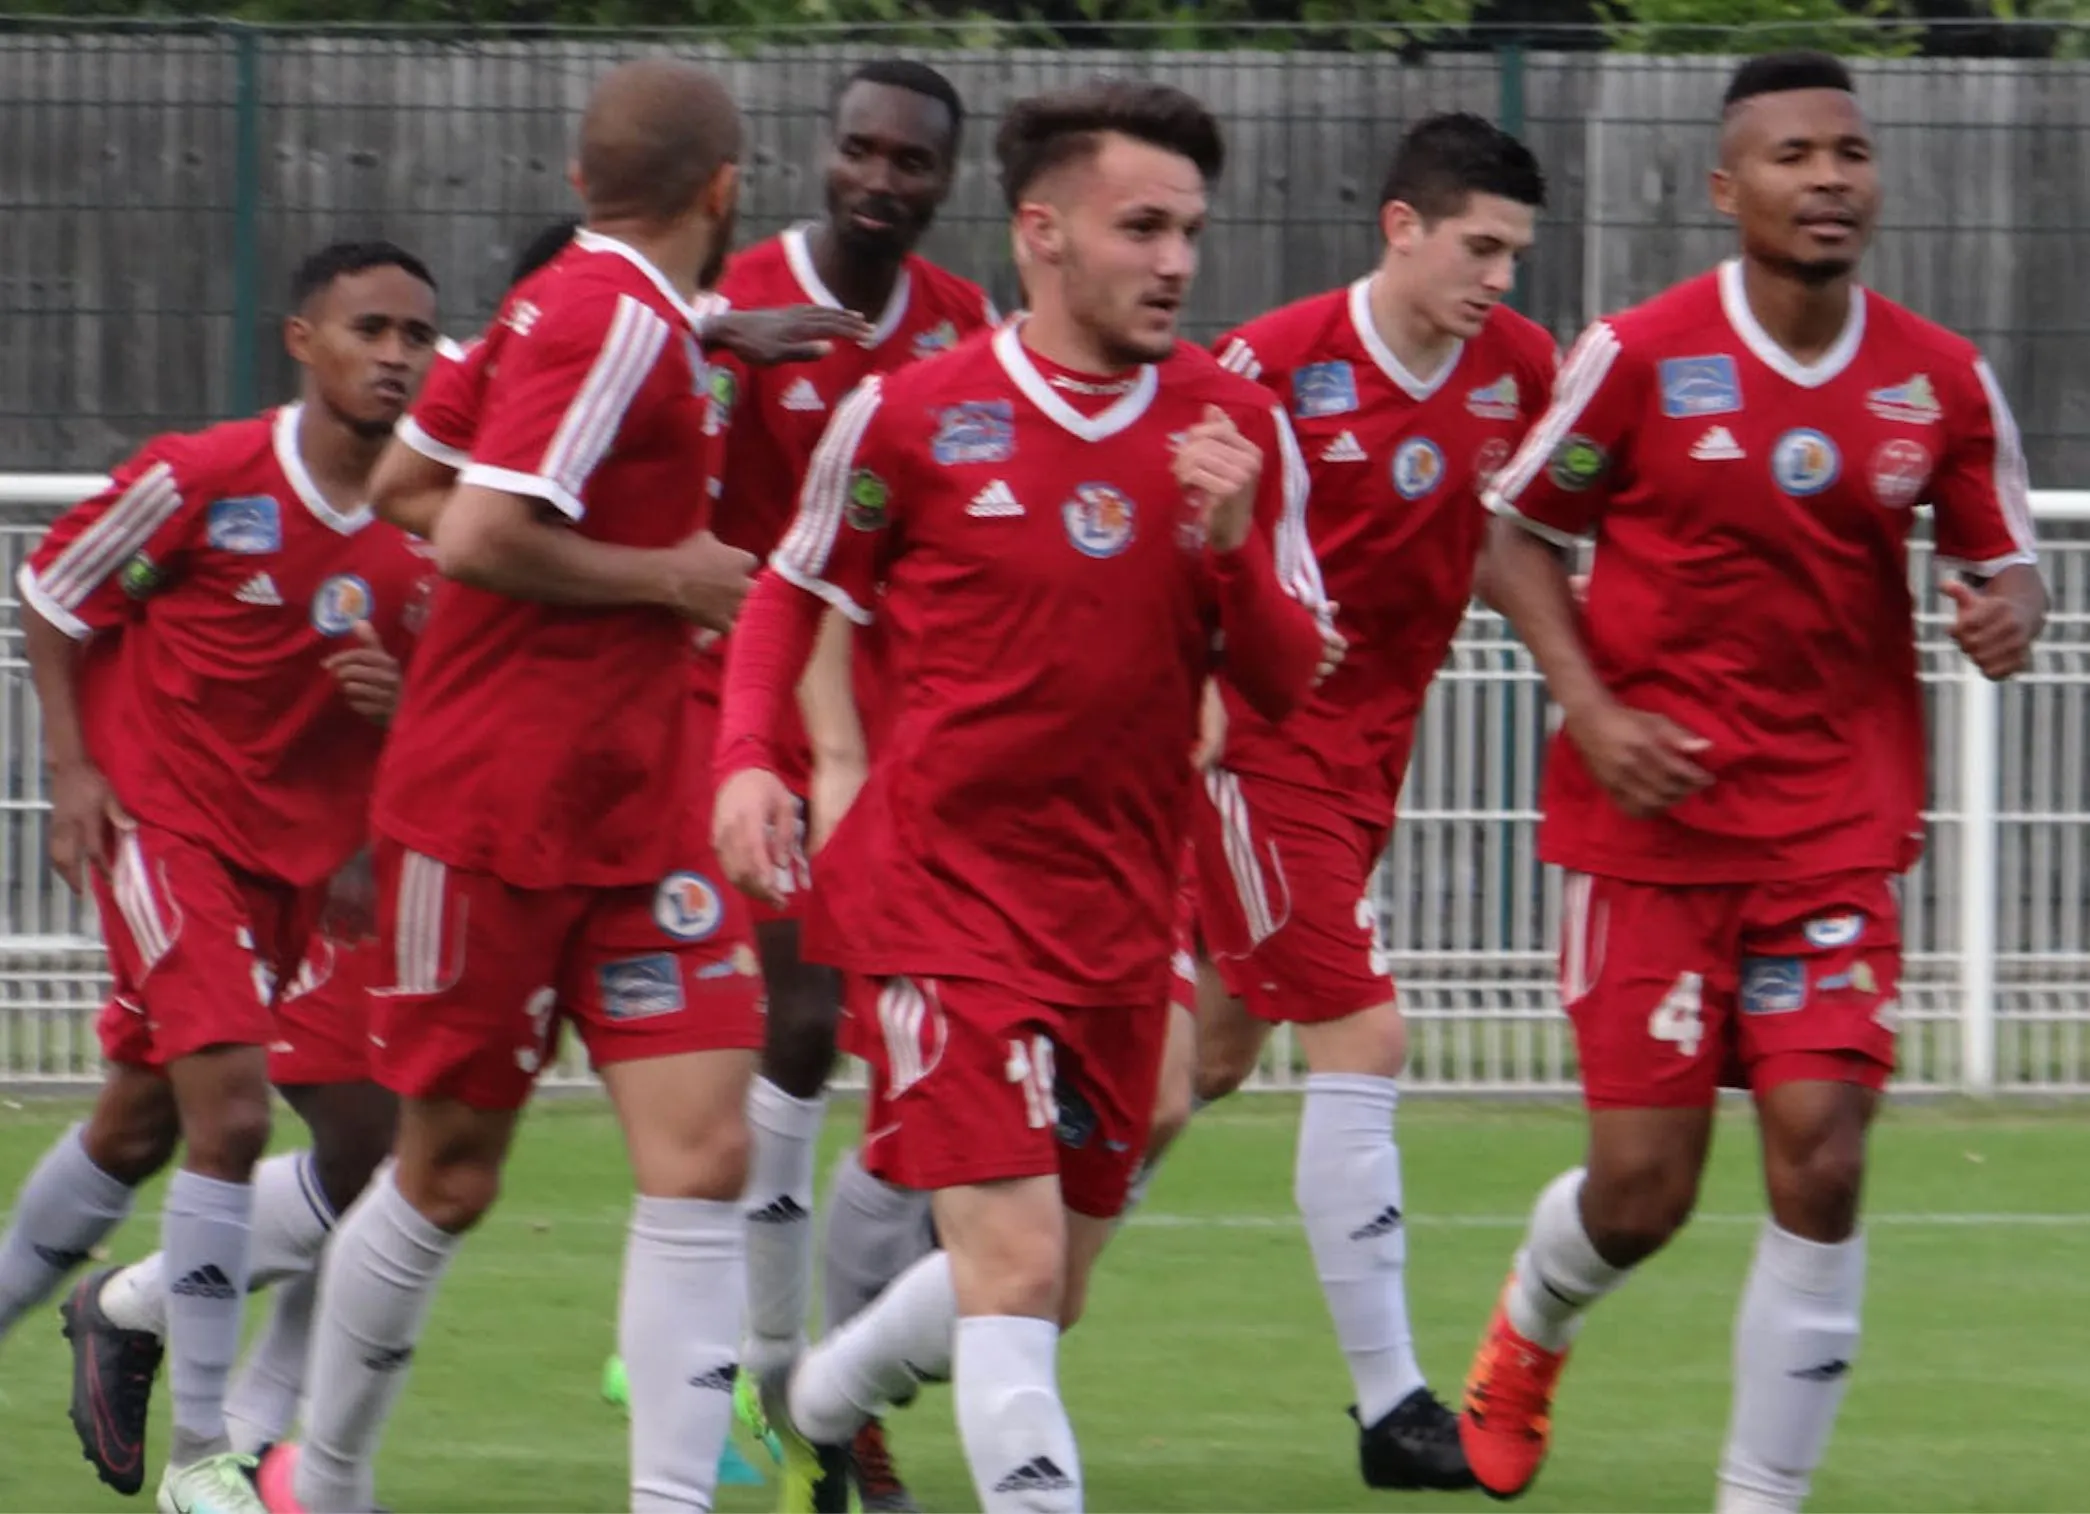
[
  {"x": 765, "y": 657},
  {"x": 1556, "y": 483},
  {"x": 1980, "y": 492},
  {"x": 441, "y": 424},
  {"x": 1272, "y": 606},
  {"x": 570, "y": 381},
  {"x": 844, "y": 532},
  {"x": 106, "y": 553}
]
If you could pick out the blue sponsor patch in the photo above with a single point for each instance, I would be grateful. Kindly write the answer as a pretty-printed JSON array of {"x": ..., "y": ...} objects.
[
  {"x": 249, "y": 525},
  {"x": 1700, "y": 386},
  {"x": 1321, "y": 389},
  {"x": 1773, "y": 985},
  {"x": 638, "y": 988},
  {"x": 1830, "y": 931},
  {"x": 979, "y": 431}
]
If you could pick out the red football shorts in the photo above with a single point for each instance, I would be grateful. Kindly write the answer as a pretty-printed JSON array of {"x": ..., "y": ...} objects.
[
  {"x": 323, "y": 1016},
  {"x": 476, "y": 976},
  {"x": 196, "y": 947},
  {"x": 1677, "y": 990},
  {"x": 1284, "y": 898},
  {"x": 974, "y": 1083}
]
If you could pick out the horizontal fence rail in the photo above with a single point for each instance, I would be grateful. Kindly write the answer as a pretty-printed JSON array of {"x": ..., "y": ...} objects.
[{"x": 1996, "y": 997}]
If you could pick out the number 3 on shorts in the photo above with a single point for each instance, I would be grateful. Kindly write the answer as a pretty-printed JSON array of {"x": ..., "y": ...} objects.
[{"x": 1677, "y": 1019}]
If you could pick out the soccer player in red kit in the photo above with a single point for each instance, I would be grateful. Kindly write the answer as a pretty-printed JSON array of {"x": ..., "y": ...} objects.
[
  {"x": 1406, "y": 388},
  {"x": 896, "y": 125},
  {"x": 1740, "y": 772},
  {"x": 209, "y": 778},
  {"x": 1061, "y": 515},
  {"x": 535, "y": 817}
]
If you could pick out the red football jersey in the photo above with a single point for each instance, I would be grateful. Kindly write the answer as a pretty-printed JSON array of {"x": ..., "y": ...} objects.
[
  {"x": 543, "y": 744},
  {"x": 774, "y": 417},
  {"x": 1752, "y": 516},
  {"x": 1394, "y": 513},
  {"x": 227, "y": 579},
  {"x": 1049, "y": 606}
]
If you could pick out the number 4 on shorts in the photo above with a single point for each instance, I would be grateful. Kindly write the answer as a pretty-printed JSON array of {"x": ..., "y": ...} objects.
[{"x": 1679, "y": 1017}]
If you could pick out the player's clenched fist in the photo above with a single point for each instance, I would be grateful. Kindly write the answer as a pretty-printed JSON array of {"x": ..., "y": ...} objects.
[
  {"x": 368, "y": 675},
  {"x": 754, "y": 830},
  {"x": 1644, "y": 761},
  {"x": 1992, "y": 629},
  {"x": 1219, "y": 468},
  {"x": 707, "y": 580}
]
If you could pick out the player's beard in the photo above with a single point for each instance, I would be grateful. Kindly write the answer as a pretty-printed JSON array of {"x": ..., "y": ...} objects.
[{"x": 1814, "y": 273}]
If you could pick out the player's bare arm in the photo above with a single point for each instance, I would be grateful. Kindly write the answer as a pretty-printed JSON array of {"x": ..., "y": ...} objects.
[
  {"x": 83, "y": 809},
  {"x": 1211, "y": 729},
  {"x": 754, "y": 822},
  {"x": 795, "y": 334},
  {"x": 1644, "y": 761},
  {"x": 1999, "y": 619},
  {"x": 512, "y": 545},
  {"x": 827, "y": 703},
  {"x": 408, "y": 488}
]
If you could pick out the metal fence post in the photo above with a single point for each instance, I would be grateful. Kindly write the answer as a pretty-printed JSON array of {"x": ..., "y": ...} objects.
[
  {"x": 1980, "y": 752},
  {"x": 1509, "y": 61},
  {"x": 246, "y": 216}
]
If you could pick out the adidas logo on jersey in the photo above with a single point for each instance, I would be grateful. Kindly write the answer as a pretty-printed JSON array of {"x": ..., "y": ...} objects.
[
  {"x": 803, "y": 396},
  {"x": 258, "y": 590},
  {"x": 1717, "y": 444},
  {"x": 994, "y": 500},
  {"x": 1343, "y": 449}
]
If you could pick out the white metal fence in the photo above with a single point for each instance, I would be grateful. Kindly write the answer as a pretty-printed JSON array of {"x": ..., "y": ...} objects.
[{"x": 1996, "y": 996}]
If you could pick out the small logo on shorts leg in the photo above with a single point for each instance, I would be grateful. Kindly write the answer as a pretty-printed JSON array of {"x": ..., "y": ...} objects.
[
  {"x": 639, "y": 988},
  {"x": 688, "y": 907},
  {"x": 1833, "y": 930}
]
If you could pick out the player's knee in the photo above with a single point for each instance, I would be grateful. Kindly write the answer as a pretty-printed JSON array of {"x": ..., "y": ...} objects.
[
  {"x": 132, "y": 1135},
  {"x": 1171, "y": 1113},
  {"x": 805, "y": 1001},
  {"x": 1814, "y": 1185},
  {"x": 713, "y": 1165},
  {"x": 1223, "y": 1065},
  {"x": 227, "y": 1137},
  {"x": 1635, "y": 1206},
  {"x": 1013, "y": 1269},
  {"x": 452, "y": 1196}
]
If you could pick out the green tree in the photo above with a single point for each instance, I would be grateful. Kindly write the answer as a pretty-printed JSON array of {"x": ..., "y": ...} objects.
[{"x": 1849, "y": 27}]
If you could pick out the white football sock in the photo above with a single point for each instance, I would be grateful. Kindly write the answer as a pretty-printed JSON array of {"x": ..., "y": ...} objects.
[
  {"x": 376, "y": 1288},
  {"x": 1795, "y": 1339},
  {"x": 63, "y": 1211},
  {"x": 875, "y": 1232},
  {"x": 903, "y": 1338},
  {"x": 1347, "y": 1185},
  {"x": 203, "y": 1231},
  {"x": 778, "y": 1204},
  {"x": 678, "y": 1327},
  {"x": 1005, "y": 1372},
  {"x": 135, "y": 1297},
  {"x": 1558, "y": 1272},
  {"x": 263, "y": 1402}
]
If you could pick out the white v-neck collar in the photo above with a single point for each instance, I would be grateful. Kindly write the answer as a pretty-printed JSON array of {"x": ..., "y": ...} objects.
[
  {"x": 1734, "y": 303},
  {"x": 284, "y": 437},
  {"x": 595, "y": 241},
  {"x": 1108, "y": 422},
  {"x": 1383, "y": 355},
  {"x": 798, "y": 255}
]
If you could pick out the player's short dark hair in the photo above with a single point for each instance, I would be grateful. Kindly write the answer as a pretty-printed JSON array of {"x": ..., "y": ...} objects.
[
  {"x": 908, "y": 74},
  {"x": 547, "y": 244},
  {"x": 338, "y": 260},
  {"x": 1776, "y": 73},
  {"x": 1446, "y": 158},
  {"x": 1047, "y": 132}
]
